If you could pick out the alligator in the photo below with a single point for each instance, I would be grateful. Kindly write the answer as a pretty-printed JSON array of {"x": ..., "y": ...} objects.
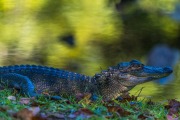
[{"x": 34, "y": 80}]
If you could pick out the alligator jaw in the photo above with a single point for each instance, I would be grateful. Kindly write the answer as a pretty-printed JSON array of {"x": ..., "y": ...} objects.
[{"x": 147, "y": 73}]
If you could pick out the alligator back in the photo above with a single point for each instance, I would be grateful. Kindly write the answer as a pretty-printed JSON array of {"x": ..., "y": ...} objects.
[{"x": 48, "y": 79}]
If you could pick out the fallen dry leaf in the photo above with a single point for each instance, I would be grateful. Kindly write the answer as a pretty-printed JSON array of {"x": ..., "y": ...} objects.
[
  {"x": 55, "y": 116},
  {"x": 35, "y": 110},
  {"x": 12, "y": 98},
  {"x": 119, "y": 110},
  {"x": 142, "y": 117},
  {"x": 80, "y": 96},
  {"x": 126, "y": 97},
  {"x": 3, "y": 109},
  {"x": 35, "y": 104},
  {"x": 173, "y": 107},
  {"x": 83, "y": 112},
  {"x": 24, "y": 114},
  {"x": 46, "y": 93},
  {"x": 25, "y": 101},
  {"x": 174, "y": 103},
  {"x": 83, "y": 98},
  {"x": 173, "y": 110},
  {"x": 28, "y": 114},
  {"x": 170, "y": 117}
]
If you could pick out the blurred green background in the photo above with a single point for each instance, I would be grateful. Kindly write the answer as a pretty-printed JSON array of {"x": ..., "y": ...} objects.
[{"x": 86, "y": 36}]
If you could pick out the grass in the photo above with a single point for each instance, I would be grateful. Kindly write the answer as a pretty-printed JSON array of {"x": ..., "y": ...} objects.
[{"x": 80, "y": 109}]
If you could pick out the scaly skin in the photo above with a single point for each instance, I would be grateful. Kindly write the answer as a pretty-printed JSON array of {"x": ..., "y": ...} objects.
[{"x": 32, "y": 80}]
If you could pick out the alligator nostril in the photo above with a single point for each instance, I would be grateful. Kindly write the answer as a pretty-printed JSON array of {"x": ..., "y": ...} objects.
[{"x": 168, "y": 69}]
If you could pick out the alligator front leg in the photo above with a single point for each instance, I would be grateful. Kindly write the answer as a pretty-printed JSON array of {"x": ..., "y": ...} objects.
[{"x": 23, "y": 84}]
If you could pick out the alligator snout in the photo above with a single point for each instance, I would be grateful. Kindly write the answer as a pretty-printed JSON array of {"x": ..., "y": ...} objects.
[{"x": 168, "y": 69}]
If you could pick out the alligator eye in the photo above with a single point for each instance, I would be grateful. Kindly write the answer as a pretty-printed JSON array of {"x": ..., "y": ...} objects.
[{"x": 137, "y": 65}]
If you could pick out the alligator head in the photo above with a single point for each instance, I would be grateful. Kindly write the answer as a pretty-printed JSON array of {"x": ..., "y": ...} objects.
[{"x": 126, "y": 75}]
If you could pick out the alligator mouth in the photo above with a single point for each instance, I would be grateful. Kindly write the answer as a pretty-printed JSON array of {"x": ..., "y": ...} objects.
[
  {"x": 148, "y": 74},
  {"x": 153, "y": 72},
  {"x": 154, "y": 76}
]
